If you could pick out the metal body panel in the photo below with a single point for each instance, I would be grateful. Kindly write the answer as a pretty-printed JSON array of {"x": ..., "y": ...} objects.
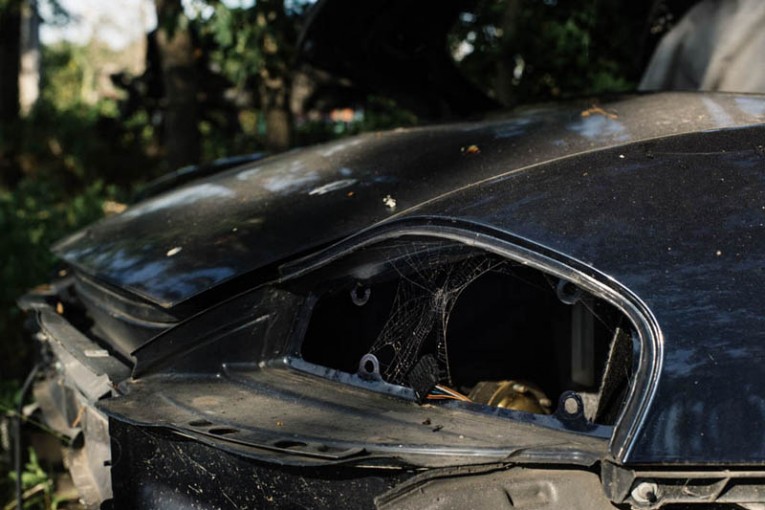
[
  {"x": 179, "y": 244},
  {"x": 679, "y": 222},
  {"x": 153, "y": 470},
  {"x": 297, "y": 418}
]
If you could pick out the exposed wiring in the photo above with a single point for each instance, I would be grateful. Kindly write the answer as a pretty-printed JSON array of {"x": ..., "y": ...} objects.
[
  {"x": 445, "y": 393},
  {"x": 17, "y": 435}
]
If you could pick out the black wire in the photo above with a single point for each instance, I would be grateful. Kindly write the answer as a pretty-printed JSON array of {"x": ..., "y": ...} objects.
[{"x": 17, "y": 435}]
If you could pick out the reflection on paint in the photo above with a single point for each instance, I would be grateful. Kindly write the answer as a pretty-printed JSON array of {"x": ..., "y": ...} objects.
[
  {"x": 720, "y": 117},
  {"x": 596, "y": 127},
  {"x": 692, "y": 429},
  {"x": 332, "y": 186},
  {"x": 337, "y": 147},
  {"x": 754, "y": 106},
  {"x": 248, "y": 174},
  {"x": 290, "y": 182},
  {"x": 516, "y": 128},
  {"x": 183, "y": 196}
]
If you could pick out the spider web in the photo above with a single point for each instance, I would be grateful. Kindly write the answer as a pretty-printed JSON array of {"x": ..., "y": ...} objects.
[
  {"x": 430, "y": 283},
  {"x": 422, "y": 304}
]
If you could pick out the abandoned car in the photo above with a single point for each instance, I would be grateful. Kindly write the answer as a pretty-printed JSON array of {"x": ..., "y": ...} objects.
[{"x": 556, "y": 308}]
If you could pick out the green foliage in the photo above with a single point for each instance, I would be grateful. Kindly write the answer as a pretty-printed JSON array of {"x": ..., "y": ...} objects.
[
  {"x": 530, "y": 50},
  {"x": 66, "y": 152},
  {"x": 59, "y": 164},
  {"x": 380, "y": 113},
  {"x": 9, "y": 4},
  {"x": 217, "y": 143},
  {"x": 254, "y": 48},
  {"x": 81, "y": 144},
  {"x": 64, "y": 77},
  {"x": 38, "y": 488},
  {"x": 255, "y": 42},
  {"x": 33, "y": 216},
  {"x": 383, "y": 113},
  {"x": 9, "y": 395}
]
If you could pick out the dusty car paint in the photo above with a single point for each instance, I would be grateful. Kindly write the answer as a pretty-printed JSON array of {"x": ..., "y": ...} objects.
[
  {"x": 182, "y": 243},
  {"x": 681, "y": 223}
]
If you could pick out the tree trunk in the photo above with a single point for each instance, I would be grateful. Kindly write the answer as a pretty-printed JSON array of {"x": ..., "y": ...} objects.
[
  {"x": 274, "y": 89},
  {"x": 10, "y": 34},
  {"x": 506, "y": 78},
  {"x": 181, "y": 84},
  {"x": 10, "y": 37},
  {"x": 29, "y": 73},
  {"x": 274, "y": 99}
]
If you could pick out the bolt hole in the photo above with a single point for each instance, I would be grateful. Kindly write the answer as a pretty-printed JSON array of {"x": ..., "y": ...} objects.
[
  {"x": 571, "y": 406},
  {"x": 360, "y": 295},
  {"x": 567, "y": 292},
  {"x": 646, "y": 493},
  {"x": 369, "y": 367}
]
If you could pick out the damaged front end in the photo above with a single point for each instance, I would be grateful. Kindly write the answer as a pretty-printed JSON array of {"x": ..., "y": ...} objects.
[
  {"x": 78, "y": 372},
  {"x": 404, "y": 367},
  {"x": 423, "y": 365}
]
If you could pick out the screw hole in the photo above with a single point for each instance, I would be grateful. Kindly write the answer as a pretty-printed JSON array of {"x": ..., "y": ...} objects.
[
  {"x": 360, "y": 295},
  {"x": 571, "y": 405},
  {"x": 369, "y": 367},
  {"x": 567, "y": 292}
]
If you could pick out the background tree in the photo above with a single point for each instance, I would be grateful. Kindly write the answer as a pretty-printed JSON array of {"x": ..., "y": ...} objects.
[
  {"x": 255, "y": 49},
  {"x": 275, "y": 39},
  {"x": 181, "y": 85},
  {"x": 521, "y": 51},
  {"x": 10, "y": 40},
  {"x": 29, "y": 58}
]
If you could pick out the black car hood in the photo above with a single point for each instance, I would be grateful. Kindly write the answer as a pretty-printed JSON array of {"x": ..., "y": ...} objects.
[{"x": 179, "y": 244}]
